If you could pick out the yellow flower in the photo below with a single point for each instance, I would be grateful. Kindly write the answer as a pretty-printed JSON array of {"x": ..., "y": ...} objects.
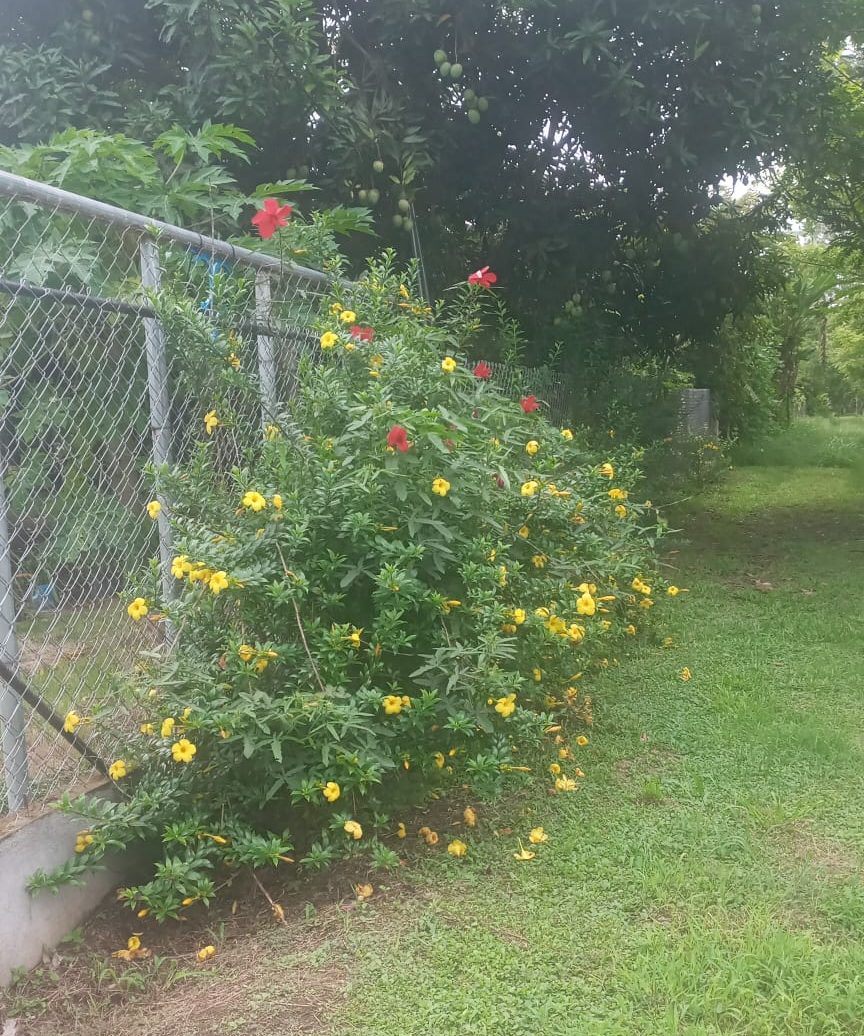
[
  {"x": 646, "y": 603},
  {"x": 440, "y": 486},
  {"x": 272, "y": 432},
  {"x": 167, "y": 728},
  {"x": 400, "y": 831},
  {"x": 205, "y": 953},
  {"x": 246, "y": 652},
  {"x": 188, "y": 901},
  {"x": 673, "y": 591},
  {"x": 508, "y": 627},
  {"x": 331, "y": 791},
  {"x": 439, "y": 760},
  {"x": 392, "y": 704},
  {"x": 554, "y": 769},
  {"x": 143, "y": 912},
  {"x": 565, "y": 784},
  {"x": 277, "y": 501},
  {"x": 180, "y": 566},
  {"x": 72, "y": 722},
  {"x": 153, "y": 509},
  {"x": 523, "y": 855},
  {"x": 261, "y": 665},
  {"x": 364, "y": 891},
  {"x": 618, "y": 494},
  {"x": 469, "y": 816},
  {"x": 431, "y": 837},
  {"x": 355, "y": 638},
  {"x": 448, "y": 365},
  {"x": 524, "y": 532},
  {"x": 537, "y": 836},
  {"x": 457, "y": 848},
  {"x": 211, "y": 421},
  {"x": 82, "y": 840},
  {"x": 117, "y": 770},
  {"x": 630, "y": 630},
  {"x": 640, "y": 587},
  {"x": 606, "y": 470},
  {"x": 404, "y": 292},
  {"x": 234, "y": 361},
  {"x": 506, "y": 706},
  {"x": 218, "y": 582},
  {"x": 351, "y": 827},
  {"x": 349, "y": 347},
  {"x": 564, "y": 753},
  {"x": 686, "y": 674},
  {"x": 537, "y": 674},
  {"x": 555, "y": 624},
  {"x": 376, "y": 374},
  {"x": 530, "y": 488},
  {"x": 519, "y": 616},
  {"x": 336, "y": 308},
  {"x": 376, "y": 360},
  {"x": 148, "y": 729},
  {"x": 621, "y": 511},
  {"x": 448, "y": 606},
  {"x": 328, "y": 340},
  {"x": 254, "y": 501},
  {"x": 137, "y": 609},
  {"x": 566, "y": 434},
  {"x": 586, "y": 605},
  {"x": 668, "y": 642},
  {"x": 502, "y": 575},
  {"x": 539, "y": 560},
  {"x": 348, "y": 316},
  {"x": 581, "y": 741},
  {"x": 183, "y": 750},
  {"x": 532, "y": 447}
]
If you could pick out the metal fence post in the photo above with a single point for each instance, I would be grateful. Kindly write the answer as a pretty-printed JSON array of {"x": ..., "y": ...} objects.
[
  {"x": 266, "y": 354},
  {"x": 12, "y": 716},
  {"x": 160, "y": 403}
]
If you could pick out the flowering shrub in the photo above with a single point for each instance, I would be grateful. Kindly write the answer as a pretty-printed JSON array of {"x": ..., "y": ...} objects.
[{"x": 399, "y": 589}]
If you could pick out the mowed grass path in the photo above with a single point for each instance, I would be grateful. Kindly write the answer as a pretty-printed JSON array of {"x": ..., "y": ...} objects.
[{"x": 707, "y": 878}]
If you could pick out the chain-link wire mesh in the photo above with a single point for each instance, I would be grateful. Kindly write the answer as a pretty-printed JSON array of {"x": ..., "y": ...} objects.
[
  {"x": 95, "y": 385},
  {"x": 107, "y": 370},
  {"x": 552, "y": 388}
]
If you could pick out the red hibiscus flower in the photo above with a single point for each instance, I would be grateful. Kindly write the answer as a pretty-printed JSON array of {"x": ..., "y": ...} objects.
[
  {"x": 271, "y": 217},
  {"x": 362, "y": 334},
  {"x": 529, "y": 404},
  {"x": 397, "y": 439},
  {"x": 483, "y": 371},
  {"x": 484, "y": 277}
]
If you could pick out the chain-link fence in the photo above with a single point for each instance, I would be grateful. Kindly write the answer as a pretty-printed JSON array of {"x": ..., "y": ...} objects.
[
  {"x": 97, "y": 390},
  {"x": 92, "y": 392}
]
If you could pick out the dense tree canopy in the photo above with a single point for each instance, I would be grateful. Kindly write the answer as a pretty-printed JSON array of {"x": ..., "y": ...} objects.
[{"x": 577, "y": 145}]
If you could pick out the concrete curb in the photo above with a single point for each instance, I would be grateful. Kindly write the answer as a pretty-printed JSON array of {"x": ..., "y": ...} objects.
[{"x": 31, "y": 924}]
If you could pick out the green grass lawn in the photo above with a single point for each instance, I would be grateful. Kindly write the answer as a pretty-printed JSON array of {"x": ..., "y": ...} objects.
[{"x": 707, "y": 877}]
